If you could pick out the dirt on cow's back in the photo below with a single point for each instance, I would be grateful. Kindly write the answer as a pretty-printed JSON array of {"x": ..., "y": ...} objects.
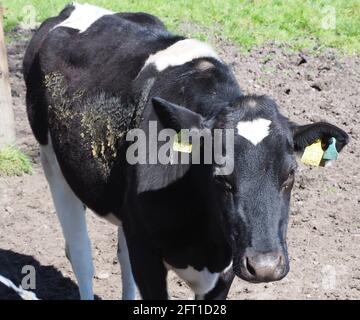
[{"x": 324, "y": 227}]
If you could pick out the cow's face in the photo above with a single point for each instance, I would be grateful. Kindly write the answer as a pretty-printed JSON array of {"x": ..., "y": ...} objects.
[
  {"x": 256, "y": 195},
  {"x": 253, "y": 199}
]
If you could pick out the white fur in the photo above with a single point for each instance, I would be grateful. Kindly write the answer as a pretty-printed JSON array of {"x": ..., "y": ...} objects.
[
  {"x": 180, "y": 53},
  {"x": 254, "y": 131},
  {"x": 83, "y": 16},
  {"x": 200, "y": 282},
  {"x": 128, "y": 282},
  {"x": 71, "y": 213},
  {"x": 202, "y": 296}
]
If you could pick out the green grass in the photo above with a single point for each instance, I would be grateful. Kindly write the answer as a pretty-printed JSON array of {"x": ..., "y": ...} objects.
[
  {"x": 13, "y": 162},
  {"x": 245, "y": 22}
]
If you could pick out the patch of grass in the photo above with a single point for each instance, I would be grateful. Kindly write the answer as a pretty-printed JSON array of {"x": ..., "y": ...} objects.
[
  {"x": 13, "y": 162},
  {"x": 307, "y": 23},
  {"x": 11, "y": 38}
]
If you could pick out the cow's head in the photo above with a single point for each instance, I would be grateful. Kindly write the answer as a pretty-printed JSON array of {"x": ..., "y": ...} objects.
[{"x": 254, "y": 198}]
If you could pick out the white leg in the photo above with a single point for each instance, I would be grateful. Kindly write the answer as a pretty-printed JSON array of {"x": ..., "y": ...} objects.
[
  {"x": 71, "y": 213},
  {"x": 128, "y": 283}
]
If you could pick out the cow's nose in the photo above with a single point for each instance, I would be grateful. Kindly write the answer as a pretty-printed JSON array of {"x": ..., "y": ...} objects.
[{"x": 265, "y": 266}]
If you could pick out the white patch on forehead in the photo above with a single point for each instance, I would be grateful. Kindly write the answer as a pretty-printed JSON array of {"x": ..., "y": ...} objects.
[
  {"x": 180, "y": 53},
  {"x": 254, "y": 131},
  {"x": 83, "y": 16}
]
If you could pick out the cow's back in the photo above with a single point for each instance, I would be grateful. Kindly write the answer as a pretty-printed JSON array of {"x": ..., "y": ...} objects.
[
  {"x": 79, "y": 93},
  {"x": 108, "y": 55}
]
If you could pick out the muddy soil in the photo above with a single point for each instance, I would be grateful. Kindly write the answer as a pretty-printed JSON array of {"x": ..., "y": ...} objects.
[{"x": 324, "y": 228}]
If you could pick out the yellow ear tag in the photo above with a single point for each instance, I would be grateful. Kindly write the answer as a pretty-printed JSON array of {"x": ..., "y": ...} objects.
[
  {"x": 313, "y": 154},
  {"x": 181, "y": 146}
]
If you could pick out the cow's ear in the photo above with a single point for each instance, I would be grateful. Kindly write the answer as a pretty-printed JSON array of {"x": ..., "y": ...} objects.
[
  {"x": 305, "y": 135},
  {"x": 176, "y": 117}
]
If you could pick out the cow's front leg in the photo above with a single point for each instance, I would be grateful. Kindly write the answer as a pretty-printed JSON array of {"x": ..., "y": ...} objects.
[
  {"x": 149, "y": 272},
  {"x": 221, "y": 289}
]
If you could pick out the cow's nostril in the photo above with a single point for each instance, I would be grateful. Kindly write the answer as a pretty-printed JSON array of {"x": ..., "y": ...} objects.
[
  {"x": 262, "y": 266},
  {"x": 250, "y": 268}
]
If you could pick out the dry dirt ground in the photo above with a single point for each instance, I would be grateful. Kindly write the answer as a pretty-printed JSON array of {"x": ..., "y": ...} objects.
[{"x": 324, "y": 228}]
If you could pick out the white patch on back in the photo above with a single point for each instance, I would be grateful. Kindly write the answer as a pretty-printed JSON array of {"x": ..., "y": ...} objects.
[
  {"x": 254, "y": 131},
  {"x": 200, "y": 282},
  {"x": 83, "y": 16},
  {"x": 180, "y": 53}
]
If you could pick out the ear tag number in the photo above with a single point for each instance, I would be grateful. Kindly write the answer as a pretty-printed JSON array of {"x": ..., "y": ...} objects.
[
  {"x": 331, "y": 152},
  {"x": 313, "y": 154},
  {"x": 181, "y": 146}
]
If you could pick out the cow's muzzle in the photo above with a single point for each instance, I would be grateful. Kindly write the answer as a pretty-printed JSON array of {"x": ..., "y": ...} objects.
[{"x": 257, "y": 266}]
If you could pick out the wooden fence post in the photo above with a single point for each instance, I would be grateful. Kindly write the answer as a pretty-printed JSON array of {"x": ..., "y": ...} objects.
[{"x": 7, "y": 122}]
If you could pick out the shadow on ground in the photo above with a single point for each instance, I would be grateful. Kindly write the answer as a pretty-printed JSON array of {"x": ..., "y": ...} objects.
[{"x": 50, "y": 283}]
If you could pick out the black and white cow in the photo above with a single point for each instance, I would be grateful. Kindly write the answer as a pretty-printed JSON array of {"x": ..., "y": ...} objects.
[{"x": 91, "y": 76}]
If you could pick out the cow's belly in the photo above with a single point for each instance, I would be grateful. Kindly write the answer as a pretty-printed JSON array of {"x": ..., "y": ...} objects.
[
  {"x": 92, "y": 176},
  {"x": 56, "y": 178},
  {"x": 90, "y": 182}
]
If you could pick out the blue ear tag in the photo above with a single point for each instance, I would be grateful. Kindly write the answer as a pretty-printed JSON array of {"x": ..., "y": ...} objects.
[{"x": 331, "y": 152}]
